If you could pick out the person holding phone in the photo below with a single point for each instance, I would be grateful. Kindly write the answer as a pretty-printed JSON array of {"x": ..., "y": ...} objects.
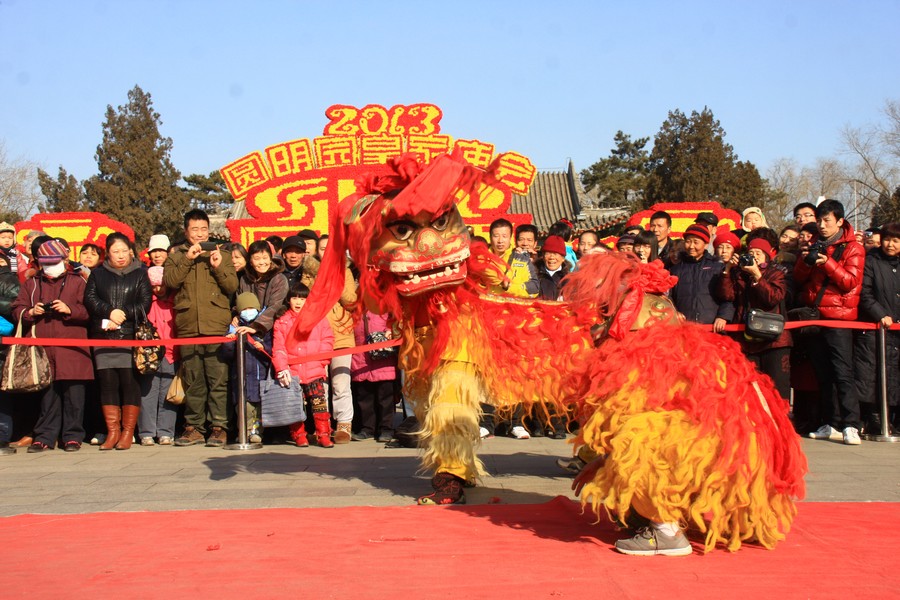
[{"x": 204, "y": 281}]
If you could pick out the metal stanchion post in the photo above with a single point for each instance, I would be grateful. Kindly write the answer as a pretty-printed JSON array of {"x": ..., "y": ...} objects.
[
  {"x": 885, "y": 435},
  {"x": 242, "y": 443}
]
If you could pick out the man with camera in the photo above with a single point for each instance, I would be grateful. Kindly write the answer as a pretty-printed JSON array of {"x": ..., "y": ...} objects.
[
  {"x": 204, "y": 280},
  {"x": 829, "y": 278}
]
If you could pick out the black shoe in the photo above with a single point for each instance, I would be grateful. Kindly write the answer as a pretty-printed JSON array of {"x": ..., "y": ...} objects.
[
  {"x": 38, "y": 447},
  {"x": 362, "y": 436},
  {"x": 557, "y": 435},
  {"x": 5, "y": 449},
  {"x": 72, "y": 447},
  {"x": 384, "y": 437},
  {"x": 537, "y": 432}
]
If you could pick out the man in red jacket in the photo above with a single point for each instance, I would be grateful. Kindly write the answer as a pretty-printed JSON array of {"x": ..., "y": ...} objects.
[{"x": 834, "y": 260}]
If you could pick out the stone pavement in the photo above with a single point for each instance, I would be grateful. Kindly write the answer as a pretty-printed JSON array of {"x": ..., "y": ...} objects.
[{"x": 356, "y": 474}]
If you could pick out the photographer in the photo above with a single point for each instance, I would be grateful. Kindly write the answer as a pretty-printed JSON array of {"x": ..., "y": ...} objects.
[
  {"x": 751, "y": 281},
  {"x": 833, "y": 265}
]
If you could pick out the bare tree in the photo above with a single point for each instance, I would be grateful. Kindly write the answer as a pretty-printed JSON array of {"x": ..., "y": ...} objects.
[{"x": 19, "y": 191}]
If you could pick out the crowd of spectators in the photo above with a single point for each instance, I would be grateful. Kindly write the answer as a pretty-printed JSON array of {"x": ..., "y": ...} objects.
[{"x": 201, "y": 288}]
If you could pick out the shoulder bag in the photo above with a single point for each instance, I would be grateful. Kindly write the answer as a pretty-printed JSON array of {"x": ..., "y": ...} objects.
[
  {"x": 26, "y": 368},
  {"x": 146, "y": 358},
  {"x": 376, "y": 337}
]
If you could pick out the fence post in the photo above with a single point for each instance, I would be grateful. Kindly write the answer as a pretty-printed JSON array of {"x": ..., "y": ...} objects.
[
  {"x": 242, "y": 443},
  {"x": 885, "y": 434}
]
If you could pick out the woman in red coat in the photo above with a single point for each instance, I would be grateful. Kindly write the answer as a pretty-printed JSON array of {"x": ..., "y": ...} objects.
[
  {"x": 762, "y": 285},
  {"x": 53, "y": 300}
]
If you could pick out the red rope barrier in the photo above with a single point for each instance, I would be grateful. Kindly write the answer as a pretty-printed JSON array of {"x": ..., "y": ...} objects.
[{"x": 84, "y": 343}]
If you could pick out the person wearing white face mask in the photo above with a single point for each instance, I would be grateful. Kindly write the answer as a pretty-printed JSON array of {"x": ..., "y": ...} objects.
[{"x": 53, "y": 301}]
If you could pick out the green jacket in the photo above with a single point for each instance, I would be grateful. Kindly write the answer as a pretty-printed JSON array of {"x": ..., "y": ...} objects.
[{"x": 202, "y": 294}]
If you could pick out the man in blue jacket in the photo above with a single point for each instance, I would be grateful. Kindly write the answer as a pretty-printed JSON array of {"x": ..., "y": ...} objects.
[{"x": 698, "y": 277}]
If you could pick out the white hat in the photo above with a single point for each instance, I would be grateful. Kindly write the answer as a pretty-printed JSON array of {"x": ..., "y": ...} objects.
[{"x": 160, "y": 241}]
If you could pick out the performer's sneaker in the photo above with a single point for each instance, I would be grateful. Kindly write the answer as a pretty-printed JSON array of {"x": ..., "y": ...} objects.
[
  {"x": 651, "y": 542},
  {"x": 572, "y": 466},
  {"x": 520, "y": 433},
  {"x": 448, "y": 489},
  {"x": 827, "y": 432}
]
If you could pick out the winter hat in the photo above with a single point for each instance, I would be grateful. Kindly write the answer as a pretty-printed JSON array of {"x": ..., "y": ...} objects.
[
  {"x": 726, "y": 237},
  {"x": 295, "y": 241},
  {"x": 4, "y": 226},
  {"x": 707, "y": 218},
  {"x": 698, "y": 231},
  {"x": 625, "y": 239},
  {"x": 310, "y": 266},
  {"x": 156, "y": 275},
  {"x": 160, "y": 241},
  {"x": 308, "y": 234},
  {"x": 52, "y": 251},
  {"x": 761, "y": 244},
  {"x": 757, "y": 210},
  {"x": 247, "y": 300},
  {"x": 556, "y": 244}
]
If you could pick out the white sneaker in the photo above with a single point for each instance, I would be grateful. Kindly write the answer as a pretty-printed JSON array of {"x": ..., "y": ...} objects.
[
  {"x": 147, "y": 441},
  {"x": 483, "y": 432},
  {"x": 826, "y": 432},
  {"x": 98, "y": 439},
  {"x": 166, "y": 441},
  {"x": 851, "y": 436},
  {"x": 520, "y": 433},
  {"x": 255, "y": 438}
]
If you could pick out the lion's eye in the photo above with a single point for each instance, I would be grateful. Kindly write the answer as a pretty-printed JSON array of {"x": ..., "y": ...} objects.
[
  {"x": 441, "y": 222},
  {"x": 401, "y": 231}
]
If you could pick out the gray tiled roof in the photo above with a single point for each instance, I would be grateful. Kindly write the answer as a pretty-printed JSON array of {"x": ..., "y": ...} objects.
[{"x": 556, "y": 195}]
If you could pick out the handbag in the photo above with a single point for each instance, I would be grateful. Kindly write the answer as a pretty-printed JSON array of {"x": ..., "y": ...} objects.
[
  {"x": 763, "y": 326},
  {"x": 26, "y": 368},
  {"x": 376, "y": 337},
  {"x": 175, "y": 393},
  {"x": 281, "y": 405},
  {"x": 146, "y": 358}
]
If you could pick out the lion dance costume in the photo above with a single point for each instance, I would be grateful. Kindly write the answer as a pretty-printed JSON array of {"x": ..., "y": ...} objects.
[{"x": 688, "y": 430}]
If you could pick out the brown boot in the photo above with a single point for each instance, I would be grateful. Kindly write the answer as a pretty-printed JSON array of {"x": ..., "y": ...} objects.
[
  {"x": 24, "y": 442},
  {"x": 129, "y": 421},
  {"x": 342, "y": 433},
  {"x": 112, "y": 415},
  {"x": 323, "y": 429}
]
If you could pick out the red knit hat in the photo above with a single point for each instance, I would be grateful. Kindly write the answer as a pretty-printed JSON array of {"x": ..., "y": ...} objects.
[
  {"x": 554, "y": 243},
  {"x": 726, "y": 237},
  {"x": 699, "y": 231},
  {"x": 761, "y": 244}
]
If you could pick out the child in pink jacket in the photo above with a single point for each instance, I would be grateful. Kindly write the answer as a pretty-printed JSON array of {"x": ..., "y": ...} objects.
[{"x": 311, "y": 374}]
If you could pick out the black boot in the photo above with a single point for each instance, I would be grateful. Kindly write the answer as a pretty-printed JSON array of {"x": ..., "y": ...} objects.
[{"x": 448, "y": 489}]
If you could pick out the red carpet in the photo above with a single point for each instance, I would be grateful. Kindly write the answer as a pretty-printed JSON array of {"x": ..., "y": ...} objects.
[{"x": 517, "y": 551}]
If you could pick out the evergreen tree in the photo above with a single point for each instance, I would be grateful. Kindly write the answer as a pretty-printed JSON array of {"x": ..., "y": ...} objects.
[
  {"x": 63, "y": 194},
  {"x": 620, "y": 179},
  {"x": 137, "y": 183},
  {"x": 208, "y": 192},
  {"x": 887, "y": 210},
  {"x": 691, "y": 162}
]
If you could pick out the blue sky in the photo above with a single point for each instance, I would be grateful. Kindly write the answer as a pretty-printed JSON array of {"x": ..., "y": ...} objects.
[{"x": 552, "y": 80}]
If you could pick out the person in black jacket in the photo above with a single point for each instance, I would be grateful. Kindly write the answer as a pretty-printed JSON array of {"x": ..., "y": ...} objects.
[
  {"x": 118, "y": 294},
  {"x": 696, "y": 294},
  {"x": 9, "y": 289},
  {"x": 879, "y": 302}
]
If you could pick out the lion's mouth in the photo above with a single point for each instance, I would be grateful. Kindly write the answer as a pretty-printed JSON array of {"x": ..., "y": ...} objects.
[{"x": 410, "y": 284}]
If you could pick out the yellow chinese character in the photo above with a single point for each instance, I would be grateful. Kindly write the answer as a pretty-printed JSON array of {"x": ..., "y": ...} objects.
[
  {"x": 376, "y": 150},
  {"x": 427, "y": 147},
  {"x": 335, "y": 151},
  {"x": 477, "y": 153},
  {"x": 516, "y": 171},
  {"x": 244, "y": 174}
]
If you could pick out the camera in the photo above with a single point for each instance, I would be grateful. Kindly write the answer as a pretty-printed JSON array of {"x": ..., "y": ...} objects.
[
  {"x": 48, "y": 307},
  {"x": 208, "y": 246},
  {"x": 813, "y": 253},
  {"x": 746, "y": 260}
]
